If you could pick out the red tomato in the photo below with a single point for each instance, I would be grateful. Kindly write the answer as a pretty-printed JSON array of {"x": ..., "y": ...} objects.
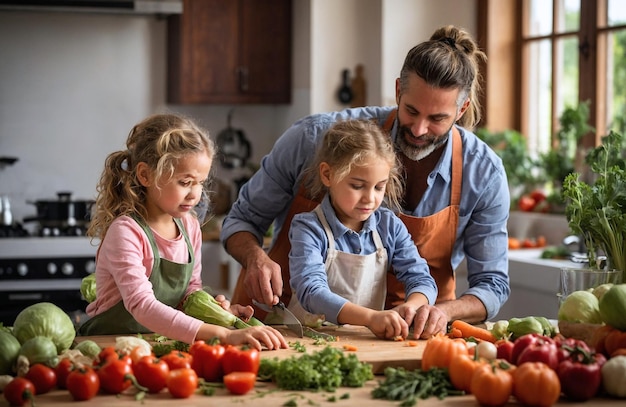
[
  {"x": 43, "y": 378},
  {"x": 241, "y": 359},
  {"x": 115, "y": 376},
  {"x": 526, "y": 203},
  {"x": 538, "y": 195},
  {"x": 177, "y": 359},
  {"x": 239, "y": 382},
  {"x": 137, "y": 353},
  {"x": 504, "y": 350},
  {"x": 63, "y": 369},
  {"x": 182, "y": 383},
  {"x": 207, "y": 360},
  {"x": 151, "y": 373},
  {"x": 83, "y": 383},
  {"x": 19, "y": 391}
]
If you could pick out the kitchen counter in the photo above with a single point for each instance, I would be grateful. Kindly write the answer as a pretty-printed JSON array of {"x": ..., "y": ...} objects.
[{"x": 379, "y": 353}]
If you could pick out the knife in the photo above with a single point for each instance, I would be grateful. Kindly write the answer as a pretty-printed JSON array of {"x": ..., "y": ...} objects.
[{"x": 281, "y": 313}]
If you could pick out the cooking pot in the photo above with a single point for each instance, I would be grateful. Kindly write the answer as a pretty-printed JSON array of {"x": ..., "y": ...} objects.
[{"x": 62, "y": 212}]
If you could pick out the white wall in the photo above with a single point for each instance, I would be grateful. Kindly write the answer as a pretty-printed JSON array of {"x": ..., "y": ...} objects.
[
  {"x": 407, "y": 23},
  {"x": 72, "y": 85}
]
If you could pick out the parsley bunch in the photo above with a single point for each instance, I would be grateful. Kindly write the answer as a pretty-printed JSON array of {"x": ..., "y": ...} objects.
[
  {"x": 598, "y": 211},
  {"x": 326, "y": 369}
]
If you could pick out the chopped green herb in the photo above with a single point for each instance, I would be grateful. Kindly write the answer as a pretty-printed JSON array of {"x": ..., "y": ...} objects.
[
  {"x": 298, "y": 346},
  {"x": 408, "y": 386}
]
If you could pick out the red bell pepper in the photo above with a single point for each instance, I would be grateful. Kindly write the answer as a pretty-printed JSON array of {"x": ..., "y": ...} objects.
[
  {"x": 241, "y": 359},
  {"x": 580, "y": 373},
  {"x": 567, "y": 345},
  {"x": 522, "y": 343},
  {"x": 541, "y": 349},
  {"x": 207, "y": 360}
]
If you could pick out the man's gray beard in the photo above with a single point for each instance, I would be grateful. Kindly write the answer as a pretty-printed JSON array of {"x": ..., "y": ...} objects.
[{"x": 417, "y": 153}]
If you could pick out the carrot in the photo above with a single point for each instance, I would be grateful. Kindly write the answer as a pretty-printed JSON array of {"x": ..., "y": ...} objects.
[
  {"x": 456, "y": 333},
  {"x": 411, "y": 343},
  {"x": 472, "y": 331},
  {"x": 350, "y": 348}
]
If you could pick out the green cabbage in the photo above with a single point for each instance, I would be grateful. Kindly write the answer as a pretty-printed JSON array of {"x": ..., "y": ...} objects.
[
  {"x": 613, "y": 307},
  {"x": 45, "y": 319},
  {"x": 581, "y": 307},
  {"x": 600, "y": 290},
  {"x": 9, "y": 351},
  {"x": 89, "y": 348},
  {"x": 88, "y": 288},
  {"x": 40, "y": 349}
]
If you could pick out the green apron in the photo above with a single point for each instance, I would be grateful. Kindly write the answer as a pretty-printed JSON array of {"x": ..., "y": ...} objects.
[{"x": 169, "y": 282}]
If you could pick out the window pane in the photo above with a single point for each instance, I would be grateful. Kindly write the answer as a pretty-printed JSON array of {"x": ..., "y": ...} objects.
[
  {"x": 567, "y": 73},
  {"x": 616, "y": 78},
  {"x": 617, "y": 12},
  {"x": 540, "y": 22},
  {"x": 539, "y": 90},
  {"x": 569, "y": 20}
]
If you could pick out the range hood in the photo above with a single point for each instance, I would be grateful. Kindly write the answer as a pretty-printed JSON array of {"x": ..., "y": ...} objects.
[{"x": 162, "y": 7}]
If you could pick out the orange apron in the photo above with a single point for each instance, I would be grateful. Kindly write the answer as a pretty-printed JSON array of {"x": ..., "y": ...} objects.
[{"x": 434, "y": 235}]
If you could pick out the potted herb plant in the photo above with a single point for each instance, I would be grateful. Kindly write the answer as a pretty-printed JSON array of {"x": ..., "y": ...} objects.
[{"x": 597, "y": 211}]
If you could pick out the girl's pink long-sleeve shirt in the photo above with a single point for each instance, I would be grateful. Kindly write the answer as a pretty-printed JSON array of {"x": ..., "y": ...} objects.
[{"x": 123, "y": 266}]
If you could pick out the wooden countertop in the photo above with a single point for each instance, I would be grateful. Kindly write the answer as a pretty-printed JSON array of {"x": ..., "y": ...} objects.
[{"x": 379, "y": 353}]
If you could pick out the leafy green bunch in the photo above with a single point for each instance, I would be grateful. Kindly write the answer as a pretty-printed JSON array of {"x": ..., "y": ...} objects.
[
  {"x": 326, "y": 369},
  {"x": 598, "y": 211}
]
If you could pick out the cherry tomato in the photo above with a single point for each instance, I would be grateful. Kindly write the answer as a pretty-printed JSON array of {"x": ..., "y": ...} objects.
[
  {"x": 241, "y": 359},
  {"x": 18, "y": 391},
  {"x": 182, "y": 383},
  {"x": 239, "y": 382},
  {"x": 83, "y": 383},
  {"x": 151, "y": 373},
  {"x": 177, "y": 359},
  {"x": 43, "y": 377},
  {"x": 115, "y": 376},
  {"x": 63, "y": 369}
]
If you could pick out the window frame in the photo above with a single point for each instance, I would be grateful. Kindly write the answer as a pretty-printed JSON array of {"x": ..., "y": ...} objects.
[{"x": 496, "y": 17}]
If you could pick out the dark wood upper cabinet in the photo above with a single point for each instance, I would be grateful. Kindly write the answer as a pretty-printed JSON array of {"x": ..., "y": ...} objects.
[{"x": 230, "y": 51}]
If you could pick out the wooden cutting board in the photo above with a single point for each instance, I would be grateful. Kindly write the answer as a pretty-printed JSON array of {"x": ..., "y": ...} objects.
[{"x": 378, "y": 352}]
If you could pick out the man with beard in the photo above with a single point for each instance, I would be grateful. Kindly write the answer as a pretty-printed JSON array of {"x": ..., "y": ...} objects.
[{"x": 456, "y": 199}]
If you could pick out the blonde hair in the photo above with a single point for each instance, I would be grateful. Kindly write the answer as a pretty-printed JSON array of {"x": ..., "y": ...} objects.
[
  {"x": 449, "y": 60},
  {"x": 348, "y": 144},
  {"x": 160, "y": 141}
]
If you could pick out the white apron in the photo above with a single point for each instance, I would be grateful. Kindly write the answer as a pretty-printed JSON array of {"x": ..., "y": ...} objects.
[{"x": 360, "y": 279}]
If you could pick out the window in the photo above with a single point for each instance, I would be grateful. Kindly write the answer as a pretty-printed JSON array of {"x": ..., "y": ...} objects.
[{"x": 572, "y": 51}]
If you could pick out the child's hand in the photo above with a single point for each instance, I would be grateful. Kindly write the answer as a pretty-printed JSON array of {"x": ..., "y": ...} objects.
[
  {"x": 388, "y": 325},
  {"x": 257, "y": 337},
  {"x": 243, "y": 312}
]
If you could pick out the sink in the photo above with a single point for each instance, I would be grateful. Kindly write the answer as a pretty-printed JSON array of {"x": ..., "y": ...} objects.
[{"x": 534, "y": 284}]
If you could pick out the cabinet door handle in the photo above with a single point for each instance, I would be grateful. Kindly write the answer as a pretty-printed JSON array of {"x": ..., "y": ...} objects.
[{"x": 243, "y": 78}]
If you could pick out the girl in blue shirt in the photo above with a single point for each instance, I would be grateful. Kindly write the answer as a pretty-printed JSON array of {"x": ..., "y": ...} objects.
[{"x": 341, "y": 251}]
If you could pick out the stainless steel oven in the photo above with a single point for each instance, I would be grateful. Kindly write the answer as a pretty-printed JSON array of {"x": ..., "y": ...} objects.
[{"x": 36, "y": 269}]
